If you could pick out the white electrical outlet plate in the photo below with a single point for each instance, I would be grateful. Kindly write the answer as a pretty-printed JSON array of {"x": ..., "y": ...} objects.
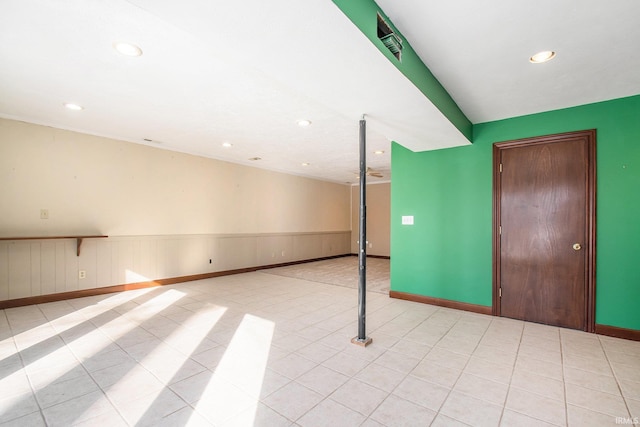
[
  {"x": 44, "y": 213},
  {"x": 82, "y": 274}
]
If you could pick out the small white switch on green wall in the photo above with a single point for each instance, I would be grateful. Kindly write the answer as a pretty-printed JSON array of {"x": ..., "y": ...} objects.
[{"x": 407, "y": 220}]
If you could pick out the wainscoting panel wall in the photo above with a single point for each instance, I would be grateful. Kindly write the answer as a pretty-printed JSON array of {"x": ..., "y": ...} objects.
[{"x": 41, "y": 267}]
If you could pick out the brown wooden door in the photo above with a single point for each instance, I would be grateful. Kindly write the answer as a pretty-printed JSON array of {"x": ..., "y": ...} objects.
[{"x": 545, "y": 211}]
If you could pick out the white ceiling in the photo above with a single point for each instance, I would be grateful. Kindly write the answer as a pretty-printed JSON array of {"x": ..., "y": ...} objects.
[
  {"x": 244, "y": 72},
  {"x": 479, "y": 51}
]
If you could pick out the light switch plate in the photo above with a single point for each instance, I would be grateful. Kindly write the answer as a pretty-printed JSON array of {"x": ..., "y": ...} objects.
[{"x": 407, "y": 220}]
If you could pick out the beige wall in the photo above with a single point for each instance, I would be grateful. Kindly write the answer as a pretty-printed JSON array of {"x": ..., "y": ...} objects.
[
  {"x": 378, "y": 218},
  {"x": 167, "y": 213},
  {"x": 93, "y": 184}
]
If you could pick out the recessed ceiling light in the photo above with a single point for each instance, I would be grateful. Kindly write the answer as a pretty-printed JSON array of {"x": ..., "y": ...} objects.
[
  {"x": 255, "y": 158},
  {"x": 543, "y": 56},
  {"x": 227, "y": 144},
  {"x": 378, "y": 152},
  {"x": 306, "y": 164},
  {"x": 304, "y": 122},
  {"x": 127, "y": 49},
  {"x": 74, "y": 107}
]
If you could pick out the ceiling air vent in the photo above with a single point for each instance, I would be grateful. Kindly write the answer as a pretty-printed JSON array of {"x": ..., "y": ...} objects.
[{"x": 391, "y": 40}]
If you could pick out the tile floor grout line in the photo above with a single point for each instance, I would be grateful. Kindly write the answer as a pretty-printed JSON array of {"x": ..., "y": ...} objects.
[
  {"x": 462, "y": 370},
  {"x": 564, "y": 383},
  {"x": 388, "y": 393},
  {"x": 24, "y": 368},
  {"x": 541, "y": 395},
  {"x": 535, "y": 417},
  {"x": 615, "y": 376},
  {"x": 513, "y": 368}
]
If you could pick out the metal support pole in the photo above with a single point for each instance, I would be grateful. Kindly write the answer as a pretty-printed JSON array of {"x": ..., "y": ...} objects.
[{"x": 362, "y": 338}]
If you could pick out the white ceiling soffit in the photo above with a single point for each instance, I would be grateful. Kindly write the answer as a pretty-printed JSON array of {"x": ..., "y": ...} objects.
[
  {"x": 317, "y": 52},
  {"x": 215, "y": 71},
  {"x": 479, "y": 51}
]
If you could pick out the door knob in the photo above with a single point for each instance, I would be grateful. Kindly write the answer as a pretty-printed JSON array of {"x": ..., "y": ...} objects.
[{"x": 576, "y": 246}]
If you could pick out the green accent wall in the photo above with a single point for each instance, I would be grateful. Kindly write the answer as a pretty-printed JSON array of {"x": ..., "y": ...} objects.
[
  {"x": 447, "y": 252},
  {"x": 363, "y": 14}
]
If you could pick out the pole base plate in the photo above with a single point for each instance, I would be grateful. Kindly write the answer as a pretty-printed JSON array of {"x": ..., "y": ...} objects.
[{"x": 361, "y": 342}]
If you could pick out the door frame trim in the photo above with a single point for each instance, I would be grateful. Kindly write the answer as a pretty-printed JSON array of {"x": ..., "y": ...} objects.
[{"x": 590, "y": 264}]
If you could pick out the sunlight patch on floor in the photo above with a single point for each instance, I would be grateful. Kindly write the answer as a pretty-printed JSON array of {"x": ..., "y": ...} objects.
[
  {"x": 54, "y": 362},
  {"x": 244, "y": 363},
  {"x": 172, "y": 362}
]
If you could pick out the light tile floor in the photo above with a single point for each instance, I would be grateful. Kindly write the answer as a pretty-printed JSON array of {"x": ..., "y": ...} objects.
[{"x": 263, "y": 350}]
